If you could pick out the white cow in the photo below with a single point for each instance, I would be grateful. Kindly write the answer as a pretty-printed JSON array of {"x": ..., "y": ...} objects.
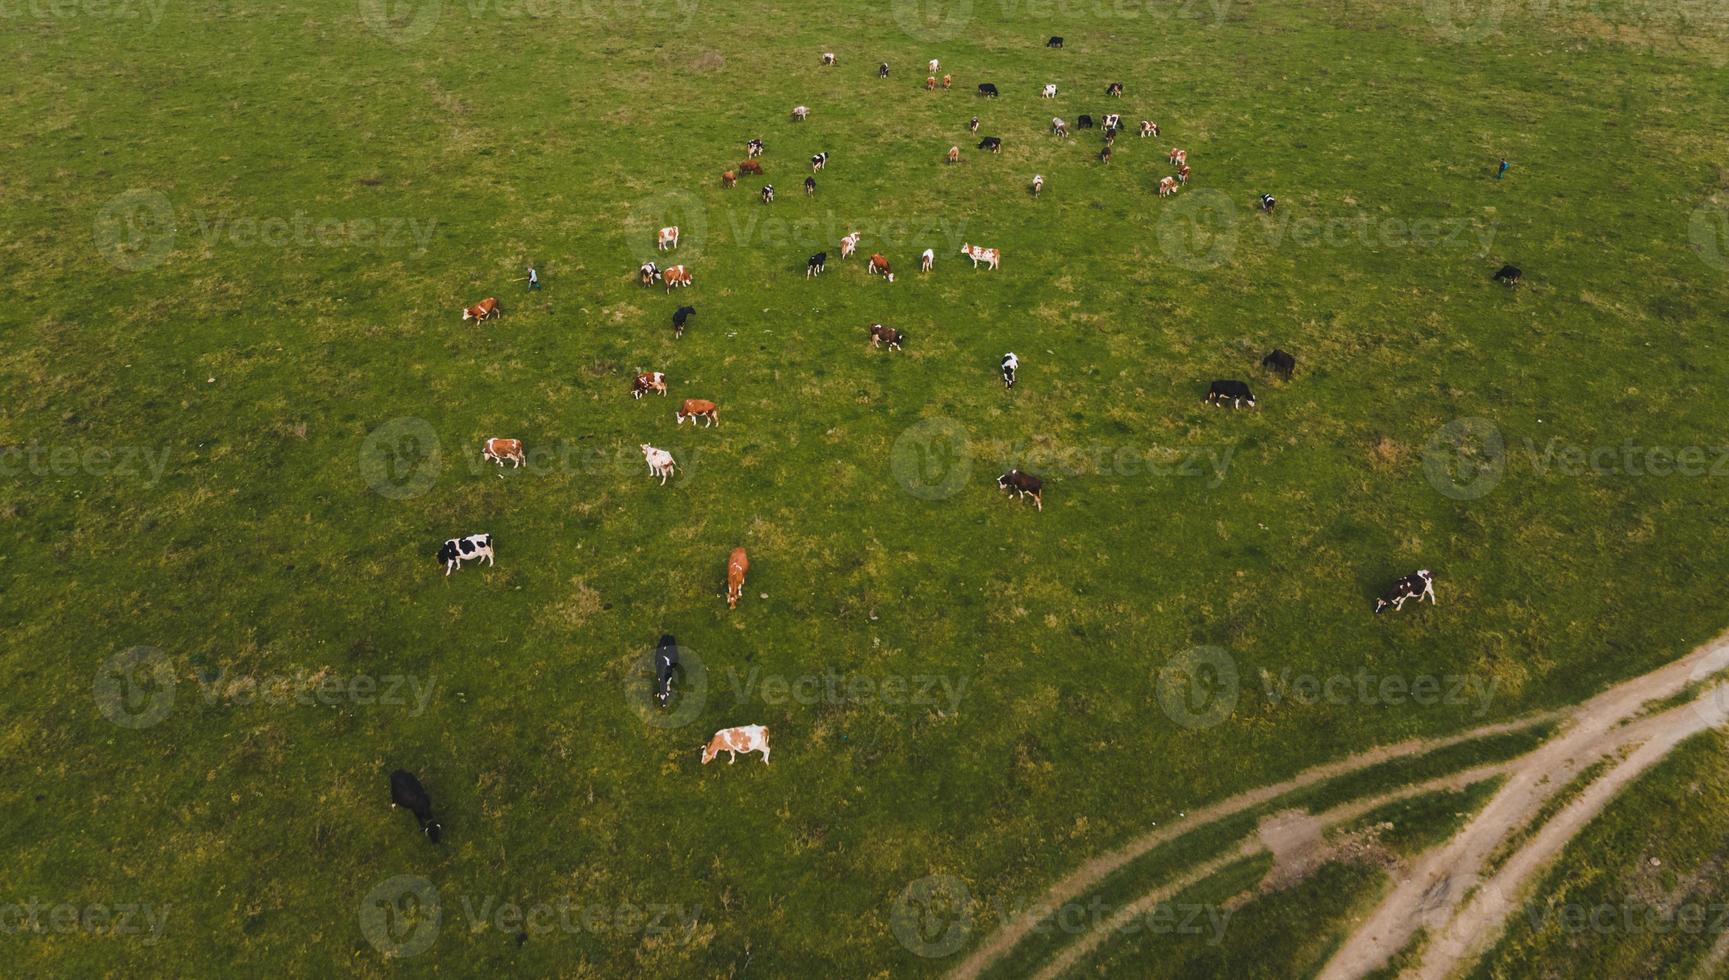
[
  {"x": 732, "y": 741},
  {"x": 934, "y": 67},
  {"x": 926, "y": 260},
  {"x": 1050, "y": 91},
  {"x": 660, "y": 462},
  {"x": 849, "y": 244},
  {"x": 1038, "y": 184}
]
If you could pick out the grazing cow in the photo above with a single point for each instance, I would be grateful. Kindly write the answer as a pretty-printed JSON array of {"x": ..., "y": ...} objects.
[
  {"x": 499, "y": 450},
  {"x": 753, "y": 149},
  {"x": 948, "y": 81},
  {"x": 736, "y": 565},
  {"x": 926, "y": 259},
  {"x": 1059, "y": 127},
  {"x": 810, "y": 187},
  {"x": 648, "y": 273},
  {"x": 1105, "y": 155},
  {"x": 1023, "y": 485},
  {"x": 1038, "y": 184},
  {"x": 828, "y": 58},
  {"x": 1010, "y": 363},
  {"x": 1115, "y": 88},
  {"x": 1509, "y": 274},
  {"x": 934, "y": 66},
  {"x": 1110, "y": 137},
  {"x": 679, "y": 316},
  {"x": 660, "y": 462},
  {"x": 881, "y": 335},
  {"x": 1183, "y": 174},
  {"x": 728, "y": 178},
  {"x": 818, "y": 161},
  {"x": 954, "y": 154},
  {"x": 849, "y": 244},
  {"x": 930, "y": 83},
  {"x": 1113, "y": 121},
  {"x": 665, "y": 665},
  {"x": 649, "y": 381},
  {"x": 486, "y": 309},
  {"x": 1167, "y": 186},
  {"x": 883, "y": 70},
  {"x": 1413, "y": 586},
  {"x": 732, "y": 741},
  {"x": 1083, "y": 121},
  {"x": 1280, "y": 362},
  {"x": 1178, "y": 157},
  {"x": 698, "y": 408},
  {"x": 987, "y": 90},
  {"x": 458, "y": 550},
  {"x": 1235, "y": 392},
  {"x": 800, "y": 113},
  {"x": 1149, "y": 128},
  {"x": 878, "y": 264},
  {"x": 1268, "y": 203},
  {"x": 768, "y": 193},
  {"x": 973, "y": 125},
  {"x": 1055, "y": 42},
  {"x": 978, "y": 253},
  {"x": 678, "y": 276},
  {"x": 991, "y": 143},
  {"x": 668, "y": 238},
  {"x": 750, "y": 168},
  {"x": 1050, "y": 92},
  {"x": 406, "y": 792}
]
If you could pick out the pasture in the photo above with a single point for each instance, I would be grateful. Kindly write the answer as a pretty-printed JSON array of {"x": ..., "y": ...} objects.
[{"x": 242, "y": 414}]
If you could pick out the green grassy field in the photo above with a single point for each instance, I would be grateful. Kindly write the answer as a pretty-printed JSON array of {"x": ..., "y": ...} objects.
[{"x": 241, "y": 414}]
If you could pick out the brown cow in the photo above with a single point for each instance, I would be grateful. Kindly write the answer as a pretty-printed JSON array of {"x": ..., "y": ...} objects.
[
  {"x": 930, "y": 83},
  {"x": 948, "y": 80},
  {"x": 1023, "y": 485},
  {"x": 499, "y": 450},
  {"x": 647, "y": 382},
  {"x": 750, "y": 167},
  {"x": 878, "y": 264},
  {"x": 698, "y": 408},
  {"x": 678, "y": 275},
  {"x": 954, "y": 154},
  {"x": 728, "y": 178},
  {"x": 736, "y": 566},
  {"x": 486, "y": 309},
  {"x": 886, "y": 335}
]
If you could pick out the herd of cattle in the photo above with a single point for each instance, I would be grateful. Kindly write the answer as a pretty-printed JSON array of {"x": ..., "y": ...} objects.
[{"x": 406, "y": 790}]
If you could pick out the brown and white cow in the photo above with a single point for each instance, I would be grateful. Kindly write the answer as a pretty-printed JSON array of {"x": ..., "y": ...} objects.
[
  {"x": 1023, "y": 485},
  {"x": 800, "y": 113},
  {"x": 1149, "y": 128},
  {"x": 886, "y": 335},
  {"x": 698, "y": 408},
  {"x": 732, "y": 741},
  {"x": 977, "y": 253},
  {"x": 1038, "y": 184},
  {"x": 828, "y": 58},
  {"x": 1179, "y": 157},
  {"x": 1183, "y": 174},
  {"x": 678, "y": 275},
  {"x": 927, "y": 258},
  {"x": 1167, "y": 186},
  {"x": 660, "y": 462},
  {"x": 728, "y": 178},
  {"x": 668, "y": 238},
  {"x": 954, "y": 155},
  {"x": 948, "y": 80},
  {"x": 930, "y": 83},
  {"x": 879, "y": 264},
  {"x": 736, "y": 565},
  {"x": 849, "y": 244},
  {"x": 499, "y": 450},
  {"x": 648, "y": 381},
  {"x": 486, "y": 309}
]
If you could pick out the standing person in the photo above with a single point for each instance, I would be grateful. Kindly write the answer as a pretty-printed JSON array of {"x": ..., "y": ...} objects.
[
  {"x": 533, "y": 279},
  {"x": 1505, "y": 166}
]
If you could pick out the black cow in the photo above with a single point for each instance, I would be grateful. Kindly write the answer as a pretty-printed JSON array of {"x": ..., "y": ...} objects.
[
  {"x": 1413, "y": 586},
  {"x": 814, "y": 265},
  {"x": 406, "y": 792},
  {"x": 992, "y": 144},
  {"x": 1280, "y": 362},
  {"x": 682, "y": 314},
  {"x": 1023, "y": 485},
  {"x": 810, "y": 187},
  {"x": 1235, "y": 392},
  {"x": 883, "y": 70},
  {"x": 1084, "y": 122},
  {"x": 665, "y": 665},
  {"x": 988, "y": 90},
  {"x": 1509, "y": 274},
  {"x": 1056, "y": 41},
  {"x": 1105, "y": 154}
]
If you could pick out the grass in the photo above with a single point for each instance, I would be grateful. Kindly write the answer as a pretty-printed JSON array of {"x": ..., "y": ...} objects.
[{"x": 256, "y": 370}]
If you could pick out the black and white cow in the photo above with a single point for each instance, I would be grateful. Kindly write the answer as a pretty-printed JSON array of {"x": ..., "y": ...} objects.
[
  {"x": 883, "y": 70},
  {"x": 1010, "y": 363},
  {"x": 768, "y": 193},
  {"x": 1268, "y": 203},
  {"x": 818, "y": 161},
  {"x": 1056, "y": 41},
  {"x": 1023, "y": 485},
  {"x": 814, "y": 265},
  {"x": 1280, "y": 362},
  {"x": 1509, "y": 274},
  {"x": 665, "y": 665},
  {"x": 406, "y": 792},
  {"x": 991, "y": 143},
  {"x": 1416, "y": 585},
  {"x": 1113, "y": 121},
  {"x": 973, "y": 126},
  {"x": 679, "y": 316},
  {"x": 753, "y": 149},
  {"x": 458, "y": 550},
  {"x": 987, "y": 90},
  {"x": 1235, "y": 392}
]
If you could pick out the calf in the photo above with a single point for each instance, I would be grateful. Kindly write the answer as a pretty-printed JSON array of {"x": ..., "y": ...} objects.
[
  {"x": 753, "y": 149},
  {"x": 736, "y": 565},
  {"x": 979, "y": 253},
  {"x": 818, "y": 161},
  {"x": 926, "y": 259},
  {"x": 750, "y": 168},
  {"x": 458, "y": 550},
  {"x": 828, "y": 58},
  {"x": 1235, "y": 392},
  {"x": 987, "y": 90},
  {"x": 1054, "y": 42},
  {"x": 883, "y": 70},
  {"x": 1509, "y": 274},
  {"x": 665, "y": 666},
  {"x": 814, "y": 265},
  {"x": 678, "y": 276},
  {"x": 800, "y": 113},
  {"x": 648, "y": 273},
  {"x": 879, "y": 266},
  {"x": 849, "y": 244},
  {"x": 886, "y": 335},
  {"x": 1010, "y": 363},
  {"x": 499, "y": 450},
  {"x": 810, "y": 187},
  {"x": 1149, "y": 128},
  {"x": 973, "y": 125},
  {"x": 660, "y": 462},
  {"x": 1167, "y": 186},
  {"x": 698, "y": 408},
  {"x": 991, "y": 143},
  {"x": 954, "y": 154},
  {"x": 649, "y": 381},
  {"x": 768, "y": 193},
  {"x": 1416, "y": 586},
  {"x": 1083, "y": 121},
  {"x": 1038, "y": 184},
  {"x": 486, "y": 309},
  {"x": 668, "y": 238},
  {"x": 1114, "y": 89},
  {"x": 1280, "y": 363},
  {"x": 1050, "y": 92},
  {"x": 1023, "y": 485},
  {"x": 732, "y": 741},
  {"x": 728, "y": 178},
  {"x": 406, "y": 792}
]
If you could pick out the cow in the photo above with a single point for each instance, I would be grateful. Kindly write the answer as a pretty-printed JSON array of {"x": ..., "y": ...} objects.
[
  {"x": 973, "y": 125},
  {"x": 954, "y": 155},
  {"x": 934, "y": 66},
  {"x": 1235, "y": 392},
  {"x": 732, "y": 741},
  {"x": 810, "y": 187},
  {"x": 486, "y": 309},
  {"x": 930, "y": 83},
  {"x": 849, "y": 244},
  {"x": 667, "y": 239},
  {"x": 978, "y": 253},
  {"x": 753, "y": 149},
  {"x": 768, "y": 193},
  {"x": 1113, "y": 121},
  {"x": 987, "y": 90},
  {"x": 736, "y": 565},
  {"x": 1038, "y": 184},
  {"x": 728, "y": 178},
  {"x": 1056, "y": 41},
  {"x": 1050, "y": 92},
  {"x": 1416, "y": 585},
  {"x": 1060, "y": 128},
  {"x": 800, "y": 113},
  {"x": 698, "y": 408},
  {"x": 1023, "y": 485},
  {"x": 1114, "y": 89},
  {"x": 679, "y": 317},
  {"x": 750, "y": 168},
  {"x": 458, "y": 550},
  {"x": 1268, "y": 203},
  {"x": 883, "y": 70},
  {"x": 406, "y": 792},
  {"x": 1110, "y": 137},
  {"x": 646, "y": 382},
  {"x": 926, "y": 259},
  {"x": 678, "y": 275},
  {"x": 813, "y": 266},
  {"x": 1509, "y": 274},
  {"x": 1178, "y": 157},
  {"x": 648, "y": 273},
  {"x": 991, "y": 143},
  {"x": 499, "y": 450},
  {"x": 818, "y": 161},
  {"x": 828, "y": 58},
  {"x": 879, "y": 264},
  {"x": 665, "y": 666},
  {"x": 1149, "y": 128},
  {"x": 660, "y": 462},
  {"x": 1279, "y": 362},
  {"x": 1183, "y": 174},
  {"x": 948, "y": 82},
  {"x": 881, "y": 335},
  {"x": 1167, "y": 186},
  {"x": 1010, "y": 363},
  {"x": 1083, "y": 121},
  {"x": 1105, "y": 155}
]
